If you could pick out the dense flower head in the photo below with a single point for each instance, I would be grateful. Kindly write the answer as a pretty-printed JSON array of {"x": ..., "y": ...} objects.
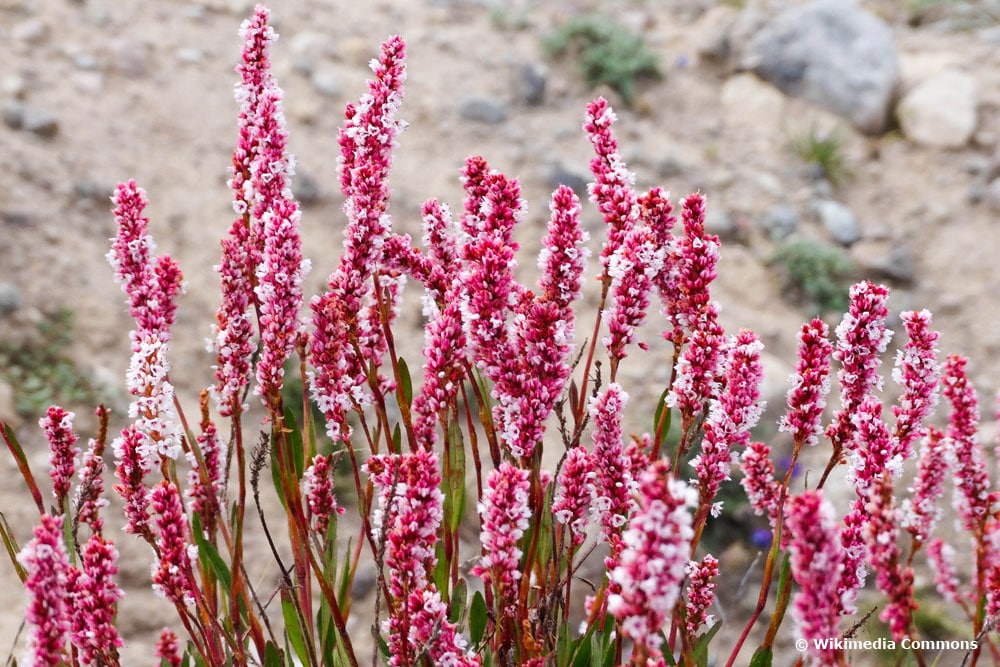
[
  {"x": 965, "y": 454},
  {"x": 688, "y": 303},
  {"x": 89, "y": 498},
  {"x": 168, "y": 648},
  {"x": 318, "y": 482},
  {"x": 409, "y": 508},
  {"x": 63, "y": 452},
  {"x": 810, "y": 384},
  {"x": 656, "y": 213},
  {"x": 47, "y": 565},
  {"x": 439, "y": 239},
  {"x": 816, "y": 562},
  {"x": 151, "y": 284},
  {"x": 613, "y": 187},
  {"x": 852, "y": 545},
  {"x": 653, "y": 563},
  {"x": 432, "y": 634},
  {"x": 575, "y": 493},
  {"x": 921, "y": 510},
  {"x": 153, "y": 405},
  {"x": 762, "y": 489},
  {"x": 699, "y": 367},
  {"x": 700, "y": 592},
  {"x": 916, "y": 370},
  {"x": 942, "y": 560},
  {"x": 206, "y": 481},
  {"x": 732, "y": 415},
  {"x": 95, "y": 597},
  {"x": 615, "y": 485},
  {"x": 131, "y": 470},
  {"x": 564, "y": 254},
  {"x": 444, "y": 350},
  {"x": 861, "y": 337},
  {"x": 504, "y": 515},
  {"x": 173, "y": 577},
  {"x": 632, "y": 270}
]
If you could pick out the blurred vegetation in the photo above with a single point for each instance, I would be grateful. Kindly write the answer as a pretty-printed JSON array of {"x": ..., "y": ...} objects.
[
  {"x": 40, "y": 370},
  {"x": 815, "y": 272},
  {"x": 607, "y": 53},
  {"x": 826, "y": 152}
]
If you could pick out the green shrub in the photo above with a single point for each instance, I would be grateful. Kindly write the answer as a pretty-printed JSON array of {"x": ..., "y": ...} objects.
[
  {"x": 826, "y": 151},
  {"x": 608, "y": 53},
  {"x": 815, "y": 272}
]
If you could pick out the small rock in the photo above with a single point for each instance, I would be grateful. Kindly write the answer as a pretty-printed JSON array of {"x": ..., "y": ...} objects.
[
  {"x": 84, "y": 61},
  {"x": 14, "y": 86},
  {"x": 30, "y": 119},
  {"x": 941, "y": 111},
  {"x": 993, "y": 195},
  {"x": 669, "y": 167},
  {"x": 129, "y": 57},
  {"x": 890, "y": 259},
  {"x": 364, "y": 583},
  {"x": 531, "y": 79},
  {"x": 325, "y": 81},
  {"x": 10, "y": 298},
  {"x": 92, "y": 190},
  {"x": 306, "y": 189},
  {"x": 483, "y": 109},
  {"x": 780, "y": 221},
  {"x": 189, "y": 55},
  {"x": 88, "y": 82},
  {"x": 31, "y": 31},
  {"x": 751, "y": 104},
  {"x": 17, "y": 219},
  {"x": 976, "y": 193},
  {"x": 718, "y": 221},
  {"x": 834, "y": 54},
  {"x": 839, "y": 221},
  {"x": 557, "y": 175},
  {"x": 712, "y": 33}
]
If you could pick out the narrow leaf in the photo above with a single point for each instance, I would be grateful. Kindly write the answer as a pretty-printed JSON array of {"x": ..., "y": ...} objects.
[
  {"x": 477, "y": 618},
  {"x": 293, "y": 629},
  {"x": 22, "y": 464},
  {"x": 762, "y": 657}
]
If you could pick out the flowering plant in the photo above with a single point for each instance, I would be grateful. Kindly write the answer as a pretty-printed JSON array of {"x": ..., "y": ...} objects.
[{"x": 502, "y": 361}]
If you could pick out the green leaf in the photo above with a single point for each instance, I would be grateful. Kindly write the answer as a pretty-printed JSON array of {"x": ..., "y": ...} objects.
[
  {"x": 700, "y": 653},
  {"x": 459, "y": 598},
  {"x": 10, "y": 543},
  {"x": 293, "y": 629},
  {"x": 477, "y": 618},
  {"x": 405, "y": 382},
  {"x": 454, "y": 493},
  {"x": 276, "y": 474},
  {"x": 294, "y": 435},
  {"x": 584, "y": 650},
  {"x": 762, "y": 657},
  {"x": 661, "y": 405},
  {"x": 273, "y": 656},
  {"x": 397, "y": 439},
  {"x": 22, "y": 464},
  {"x": 211, "y": 560}
]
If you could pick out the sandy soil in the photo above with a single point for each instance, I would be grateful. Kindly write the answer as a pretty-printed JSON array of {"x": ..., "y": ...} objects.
[{"x": 144, "y": 90}]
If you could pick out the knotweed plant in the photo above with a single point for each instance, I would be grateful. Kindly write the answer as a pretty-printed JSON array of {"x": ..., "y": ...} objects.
[{"x": 477, "y": 539}]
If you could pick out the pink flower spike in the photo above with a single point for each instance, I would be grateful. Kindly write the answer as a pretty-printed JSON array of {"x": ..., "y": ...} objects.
[
  {"x": 652, "y": 565},
  {"x": 973, "y": 500},
  {"x": 504, "y": 516},
  {"x": 564, "y": 254},
  {"x": 233, "y": 335},
  {"x": 816, "y": 564},
  {"x": 432, "y": 633},
  {"x": 810, "y": 385},
  {"x": 687, "y": 304},
  {"x": 575, "y": 493},
  {"x": 632, "y": 270},
  {"x": 861, "y": 338},
  {"x": 131, "y": 471},
  {"x": 168, "y": 648},
  {"x": 47, "y": 565},
  {"x": 701, "y": 592},
  {"x": 921, "y": 511},
  {"x": 762, "y": 489},
  {"x": 95, "y": 601},
  {"x": 731, "y": 416},
  {"x": 698, "y": 368},
  {"x": 656, "y": 213},
  {"x": 409, "y": 508},
  {"x": 916, "y": 371},
  {"x": 444, "y": 350},
  {"x": 173, "y": 576},
  {"x": 613, "y": 187},
  {"x": 58, "y": 427},
  {"x": 89, "y": 498},
  {"x": 318, "y": 481},
  {"x": 615, "y": 485},
  {"x": 942, "y": 560}
]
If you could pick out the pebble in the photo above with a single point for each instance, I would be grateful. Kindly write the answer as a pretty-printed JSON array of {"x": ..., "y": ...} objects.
[
  {"x": 557, "y": 175},
  {"x": 839, "y": 221},
  {"x": 669, "y": 167},
  {"x": 712, "y": 33},
  {"x": 31, "y": 31},
  {"x": 14, "y": 86},
  {"x": 17, "y": 219},
  {"x": 483, "y": 109},
  {"x": 130, "y": 57},
  {"x": 10, "y": 298},
  {"x": 305, "y": 189},
  {"x": 975, "y": 194},
  {"x": 941, "y": 111},
  {"x": 92, "y": 191},
  {"x": 891, "y": 259},
  {"x": 325, "y": 81},
  {"x": 189, "y": 55},
  {"x": 30, "y": 119},
  {"x": 531, "y": 79},
  {"x": 780, "y": 221},
  {"x": 718, "y": 221}
]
